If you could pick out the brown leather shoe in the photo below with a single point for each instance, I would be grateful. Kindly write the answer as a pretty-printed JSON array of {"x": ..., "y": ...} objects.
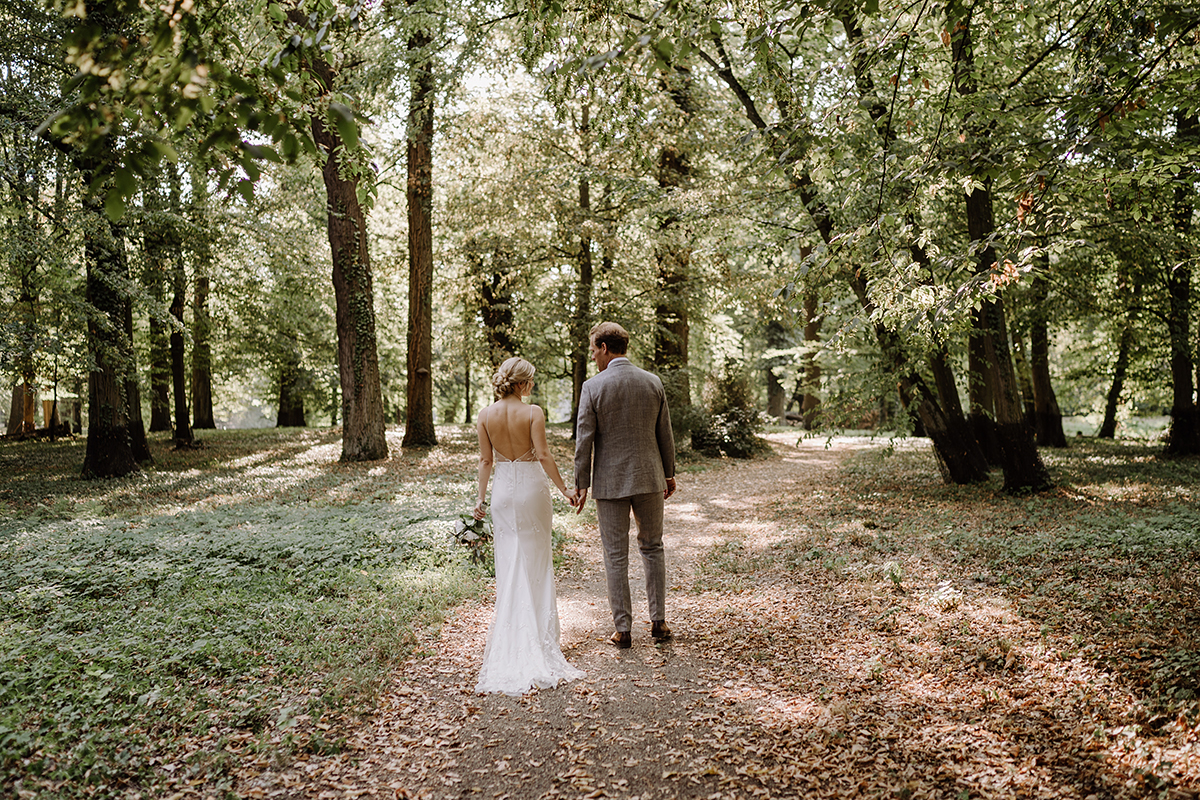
[
  {"x": 660, "y": 632},
  {"x": 622, "y": 639}
]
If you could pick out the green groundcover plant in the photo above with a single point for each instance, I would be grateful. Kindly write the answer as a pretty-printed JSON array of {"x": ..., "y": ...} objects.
[{"x": 134, "y": 641}]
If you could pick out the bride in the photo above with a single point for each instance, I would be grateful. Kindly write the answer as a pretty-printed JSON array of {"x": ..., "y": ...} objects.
[{"x": 522, "y": 648}]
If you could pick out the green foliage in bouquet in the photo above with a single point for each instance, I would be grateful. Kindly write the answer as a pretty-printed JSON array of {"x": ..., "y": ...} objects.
[{"x": 476, "y": 536}]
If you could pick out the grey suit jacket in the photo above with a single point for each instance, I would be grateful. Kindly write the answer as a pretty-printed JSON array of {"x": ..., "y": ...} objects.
[{"x": 623, "y": 440}]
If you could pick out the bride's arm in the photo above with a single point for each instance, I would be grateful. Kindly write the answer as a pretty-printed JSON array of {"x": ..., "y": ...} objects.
[
  {"x": 542, "y": 450},
  {"x": 485, "y": 467}
]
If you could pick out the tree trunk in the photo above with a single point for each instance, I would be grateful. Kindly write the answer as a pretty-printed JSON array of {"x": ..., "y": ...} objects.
[
  {"x": 1024, "y": 375},
  {"x": 1024, "y": 378},
  {"x": 202, "y": 405},
  {"x": 810, "y": 405},
  {"x": 979, "y": 396},
  {"x": 363, "y": 435},
  {"x": 183, "y": 427},
  {"x": 1047, "y": 417},
  {"x": 467, "y": 386},
  {"x": 1183, "y": 438},
  {"x": 291, "y": 398},
  {"x": 1022, "y": 465},
  {"x": 671, "y": 328},
  {"x": 133, "y": 389},
  {"x": 496, "y": 307},
  {"x": 1108, "y": 428},
  {"x": 958, "y": 428},
  {"x": 776, "y": 339},
  {"x": 418, "y": 429},
  {"x": 23, "y": 410},
  {"x": 26, "y": 253},
  {"x": 109, "y": 452},
  {"x": 951, "y": 403},
  {"x": 160, "y": 375},
  {"x": 958, "y": 456},
  {"x": 156, "y": 248},
  {"x": 16, "y": 410},
  {"x": 674, "y": 255},
  {"x": 581, "y": 323}
]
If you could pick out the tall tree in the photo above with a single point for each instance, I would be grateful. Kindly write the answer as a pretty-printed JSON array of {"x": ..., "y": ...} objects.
[
  {"x": 157, "y": 252},
  {"x": 1183, "y": 438},
  {"x": 110, "y": 442},
  {"x": 673, "y": 245},
  {"x": 958, "y": 456},
  {"x": 201, "y": 250},
  {"x": 336, "y": 136},
  {"x": 178, "y": 277},
  {"x": 1023, "y": 467},
  {"x": 1047, "y": 416},
  {"x": 581, "y": 320},
  {"x": 418, "y": 427}
]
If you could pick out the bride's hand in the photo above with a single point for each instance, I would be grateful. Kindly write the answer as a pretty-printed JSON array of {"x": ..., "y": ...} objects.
[{"x": 480, "y": 510}]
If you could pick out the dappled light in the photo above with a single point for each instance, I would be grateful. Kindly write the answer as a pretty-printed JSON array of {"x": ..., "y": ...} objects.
[{"x": 846, "y": 625}]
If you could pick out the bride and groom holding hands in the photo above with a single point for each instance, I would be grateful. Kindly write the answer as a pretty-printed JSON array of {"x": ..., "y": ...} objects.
[{"x": 624, "y": 454}]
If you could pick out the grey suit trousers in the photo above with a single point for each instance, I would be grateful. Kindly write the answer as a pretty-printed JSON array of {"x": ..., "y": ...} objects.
[{"x": 613, "y": 516}]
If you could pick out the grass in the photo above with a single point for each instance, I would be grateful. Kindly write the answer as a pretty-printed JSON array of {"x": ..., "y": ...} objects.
[{"x": 244, "y": 600}]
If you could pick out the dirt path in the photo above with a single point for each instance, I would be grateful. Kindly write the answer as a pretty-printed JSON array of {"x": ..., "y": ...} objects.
[{"x": 795, "y": 682}]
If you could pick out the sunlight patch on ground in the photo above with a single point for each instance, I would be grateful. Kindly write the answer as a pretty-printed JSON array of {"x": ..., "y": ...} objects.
[
  {"x": 319, "y": 454},
  {"x": 254, "y": 458}
]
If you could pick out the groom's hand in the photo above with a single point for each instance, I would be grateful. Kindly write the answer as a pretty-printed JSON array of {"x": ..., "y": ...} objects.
[
  {"x": 670, "y": 490},
  {"x": 580, "y": 499}
]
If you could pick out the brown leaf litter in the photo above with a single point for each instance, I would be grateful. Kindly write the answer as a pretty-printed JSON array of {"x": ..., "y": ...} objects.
[{"x": 791, "y": 676}]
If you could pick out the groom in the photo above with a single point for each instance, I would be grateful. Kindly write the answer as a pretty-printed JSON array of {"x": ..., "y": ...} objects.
[{"x": 625, "y": 452}]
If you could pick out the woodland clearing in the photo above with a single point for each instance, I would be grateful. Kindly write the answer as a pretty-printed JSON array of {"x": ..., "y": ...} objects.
[{"x": 845, "y": 625}]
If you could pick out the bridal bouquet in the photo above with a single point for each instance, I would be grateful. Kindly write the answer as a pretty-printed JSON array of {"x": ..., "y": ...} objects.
[{"x": 475, "y": 535}]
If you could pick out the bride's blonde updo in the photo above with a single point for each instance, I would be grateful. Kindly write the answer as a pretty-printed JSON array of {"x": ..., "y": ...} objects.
[{"x": 511, "y": 374}]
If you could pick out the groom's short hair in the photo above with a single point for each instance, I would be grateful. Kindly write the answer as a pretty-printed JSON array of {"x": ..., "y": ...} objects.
[{"x": 613, "y": 336}]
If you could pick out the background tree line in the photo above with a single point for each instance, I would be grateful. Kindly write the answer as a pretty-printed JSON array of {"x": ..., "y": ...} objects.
[{"x": 953, "y": 218}]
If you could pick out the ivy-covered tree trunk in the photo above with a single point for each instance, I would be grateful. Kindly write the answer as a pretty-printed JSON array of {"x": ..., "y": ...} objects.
[
  {"x": 1183, "y": 438},
  {"x": 109, "y": 452},
  {"x": 363, "y": 435},
  {"x": 202, "y": 403},
  {"x": 418, "y": 429}
]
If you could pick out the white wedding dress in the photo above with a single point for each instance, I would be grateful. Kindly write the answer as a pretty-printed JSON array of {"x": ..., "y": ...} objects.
[{"x": 522, "y": 649}]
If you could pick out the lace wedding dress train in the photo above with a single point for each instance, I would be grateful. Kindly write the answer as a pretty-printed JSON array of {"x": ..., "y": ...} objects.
[{"x": 523, "y": 649}]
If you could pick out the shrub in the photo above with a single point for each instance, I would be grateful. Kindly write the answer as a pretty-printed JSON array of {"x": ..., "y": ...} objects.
[{"x": 733, "y": 421}]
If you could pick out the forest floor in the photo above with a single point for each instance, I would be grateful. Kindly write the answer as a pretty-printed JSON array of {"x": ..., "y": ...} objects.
[{"x": 845, "y": 626}]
